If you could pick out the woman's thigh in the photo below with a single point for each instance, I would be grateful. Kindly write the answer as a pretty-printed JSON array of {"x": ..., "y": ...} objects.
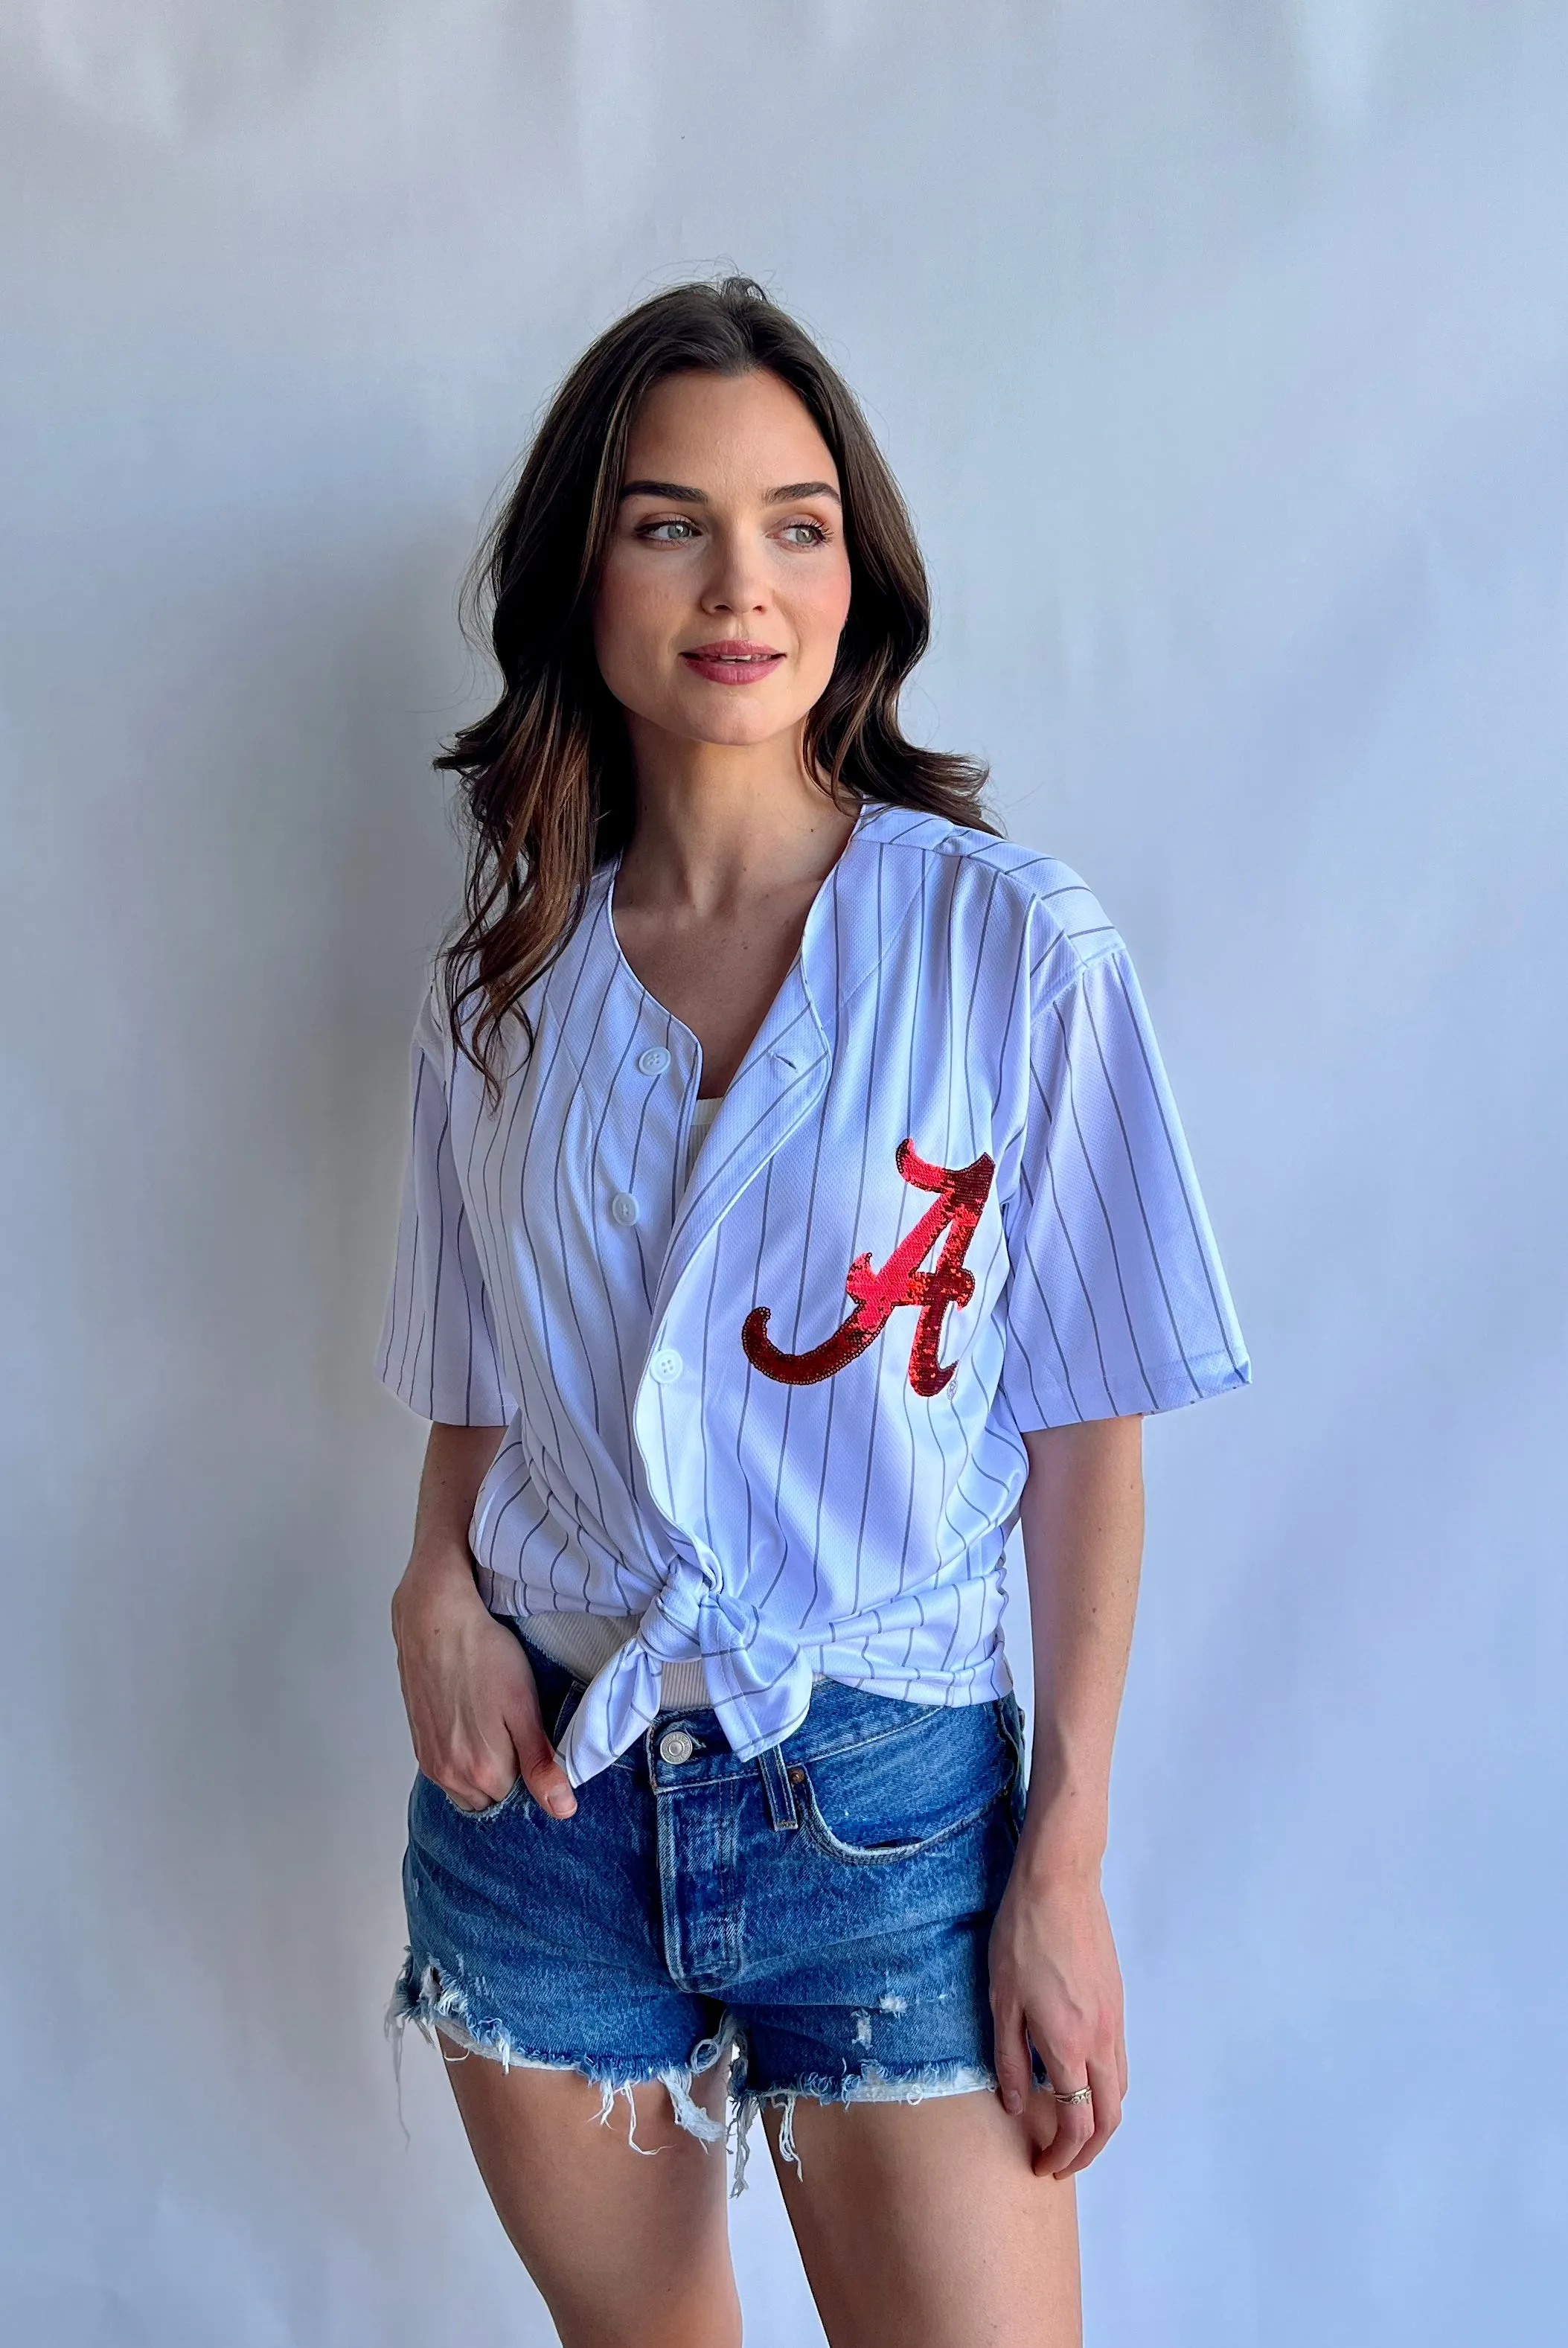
[
  {"x": 628, "y": 2244},
  {"x": 925, "y": 2225},
  {"x": 535, "y": 1962}
]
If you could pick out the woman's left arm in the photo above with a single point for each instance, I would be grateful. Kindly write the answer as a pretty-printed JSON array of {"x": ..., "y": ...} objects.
[{"x": 1054, "y": 1972}]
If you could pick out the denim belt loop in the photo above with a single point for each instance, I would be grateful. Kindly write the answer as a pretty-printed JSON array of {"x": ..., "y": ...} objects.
[{"x": 781, "y": 1812}]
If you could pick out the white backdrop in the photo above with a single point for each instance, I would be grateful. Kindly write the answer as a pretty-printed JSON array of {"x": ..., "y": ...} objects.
[{"x": 1221, "y": 347}]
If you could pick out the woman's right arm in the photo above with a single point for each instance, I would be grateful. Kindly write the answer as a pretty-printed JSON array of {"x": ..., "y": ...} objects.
[{"x": 468, "y": 1688}]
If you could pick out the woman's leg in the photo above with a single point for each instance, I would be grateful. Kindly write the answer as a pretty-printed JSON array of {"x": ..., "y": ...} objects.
[
  {"x": 924, "y": 2226},
  {"x": 629, "y": 2249}
]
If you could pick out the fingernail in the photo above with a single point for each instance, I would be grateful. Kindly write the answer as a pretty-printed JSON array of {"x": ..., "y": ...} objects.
[
  {"x": 1013, "y": 2102},
  {"x": 561, "y": 1804}
]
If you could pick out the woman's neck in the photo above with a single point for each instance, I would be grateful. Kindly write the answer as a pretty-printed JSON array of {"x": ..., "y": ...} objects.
[{"x": 718, "y": 826}]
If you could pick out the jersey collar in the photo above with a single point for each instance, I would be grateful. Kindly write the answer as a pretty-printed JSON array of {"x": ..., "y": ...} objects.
[{"x": 851, "y": 921}]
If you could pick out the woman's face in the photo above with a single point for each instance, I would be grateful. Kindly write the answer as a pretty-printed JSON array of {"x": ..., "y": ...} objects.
[{"x": 727, "y": 580}]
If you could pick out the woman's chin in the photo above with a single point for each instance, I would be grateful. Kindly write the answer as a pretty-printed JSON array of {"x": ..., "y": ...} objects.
[{"x": 750, "y": 728}]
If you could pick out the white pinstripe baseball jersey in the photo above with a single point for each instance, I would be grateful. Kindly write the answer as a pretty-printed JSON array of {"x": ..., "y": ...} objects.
[{"x": 776, "y": 1412}]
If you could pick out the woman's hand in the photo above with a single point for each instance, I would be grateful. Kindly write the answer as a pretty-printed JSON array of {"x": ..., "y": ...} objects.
[
  {"x": 1054, "y": 1977},
  {"x": 469, "y": 1690}
]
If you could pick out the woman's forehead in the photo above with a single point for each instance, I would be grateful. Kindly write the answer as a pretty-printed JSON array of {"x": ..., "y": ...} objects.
[{"x": 750, "y": 431}]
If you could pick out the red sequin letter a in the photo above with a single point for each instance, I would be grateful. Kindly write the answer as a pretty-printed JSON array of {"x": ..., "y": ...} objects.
[{"x": 960, "y": 1193}]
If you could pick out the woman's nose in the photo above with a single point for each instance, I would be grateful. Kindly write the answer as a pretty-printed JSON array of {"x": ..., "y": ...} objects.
[{"x": 736, "y": 580}]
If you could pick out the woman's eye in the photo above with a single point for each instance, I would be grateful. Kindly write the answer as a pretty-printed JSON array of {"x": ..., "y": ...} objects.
[
  {"x": 811, "y": 533},
  {"x": 671, "y": 533}
]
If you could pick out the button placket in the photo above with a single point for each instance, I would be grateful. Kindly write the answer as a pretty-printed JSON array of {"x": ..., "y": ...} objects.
[
  {"x": 772, "y": 1095},
  {"x": 625, "y": 1208}
]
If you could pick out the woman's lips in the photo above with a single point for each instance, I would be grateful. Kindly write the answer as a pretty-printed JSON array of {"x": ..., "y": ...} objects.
[{"x": 734, "y": 661}]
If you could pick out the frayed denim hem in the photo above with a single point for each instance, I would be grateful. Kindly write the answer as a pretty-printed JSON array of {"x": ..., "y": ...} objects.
[
  {"x": 871, "y": 2085},
  {"x": 439, "y": 2008}
]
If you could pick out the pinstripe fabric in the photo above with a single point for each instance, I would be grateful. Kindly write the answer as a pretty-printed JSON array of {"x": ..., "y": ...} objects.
[{"x": 952, "y": 990}]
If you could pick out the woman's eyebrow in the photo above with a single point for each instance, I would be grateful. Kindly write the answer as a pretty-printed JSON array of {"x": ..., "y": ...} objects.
[
  {"x": 686, "y": 495},
  {"x": 666, "y": 489}
]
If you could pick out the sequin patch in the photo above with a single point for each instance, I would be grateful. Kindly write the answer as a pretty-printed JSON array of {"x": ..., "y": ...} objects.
[{"x": 961, "y": 1194}]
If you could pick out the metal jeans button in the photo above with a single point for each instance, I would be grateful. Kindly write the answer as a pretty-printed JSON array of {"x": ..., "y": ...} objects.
[{"x": 676, "y": 1745}]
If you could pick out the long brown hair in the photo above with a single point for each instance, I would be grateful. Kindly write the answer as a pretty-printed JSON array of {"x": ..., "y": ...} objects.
[{"x": 547, "y": 787}]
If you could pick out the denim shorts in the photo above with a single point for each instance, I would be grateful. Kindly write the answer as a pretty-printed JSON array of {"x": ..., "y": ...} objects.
[{"x": 815, "y": 1918}]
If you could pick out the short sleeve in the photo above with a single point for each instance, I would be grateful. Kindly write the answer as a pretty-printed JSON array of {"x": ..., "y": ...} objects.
[
  {"x": 437, "y": 1350},
  {"x": 1117, "y": 1302}
]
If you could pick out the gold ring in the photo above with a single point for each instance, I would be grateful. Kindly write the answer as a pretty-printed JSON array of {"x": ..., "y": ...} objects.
[{"x": 1073, "y": 2095}]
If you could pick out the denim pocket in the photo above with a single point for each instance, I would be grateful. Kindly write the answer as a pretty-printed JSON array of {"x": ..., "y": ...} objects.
[
  {"x": 490, "y": 1810},
  {"x": 564, "y": 1710},
  {"x": 897, "y": 1797},
  {"x": 560, "y": 1691}
]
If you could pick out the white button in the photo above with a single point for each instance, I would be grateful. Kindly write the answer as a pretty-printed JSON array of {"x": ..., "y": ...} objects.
[
  {"x": 667, "y": 1366},
  {"x": 675, "y": 1746},
  {"x": 624, "y": 1207},
  {"x": 654, "y": 1061}
]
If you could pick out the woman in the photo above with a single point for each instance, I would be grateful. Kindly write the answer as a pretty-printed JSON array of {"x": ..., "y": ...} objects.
[{"x": 795, "y": 1198}]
